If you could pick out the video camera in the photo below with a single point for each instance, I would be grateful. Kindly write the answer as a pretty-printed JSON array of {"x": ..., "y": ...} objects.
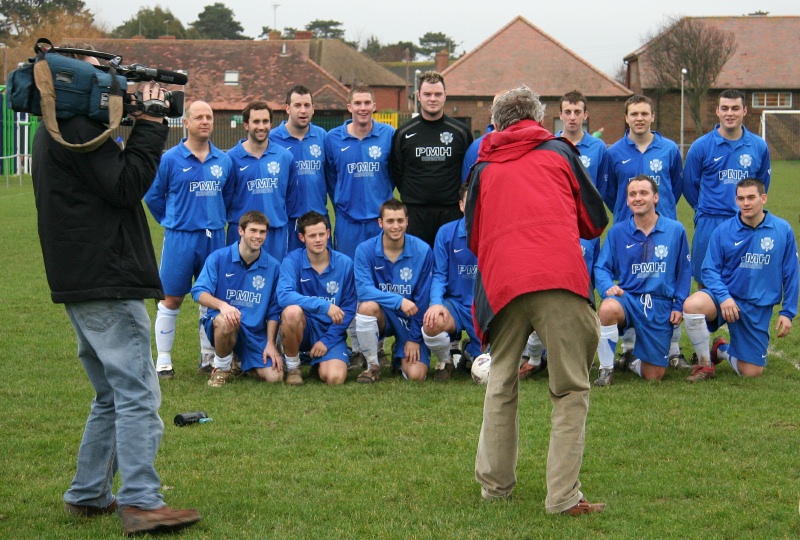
[{"x": 83, "y": 89}]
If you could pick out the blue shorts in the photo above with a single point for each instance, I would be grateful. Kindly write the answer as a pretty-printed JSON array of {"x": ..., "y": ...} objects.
[
  {"x": 183, "y": 255},
  {"x": 462, "y": 316},
  {"x": 649, "y": 315},
  {"x": 312, "y": 333},
  {"x": 275, "y": 244},
  {"x": 749, "y": 335},
  {"x": 349, "y": 234},
  {"x": 399, "y": 326},
  {"x": 703, "y": 228},
  {"x": 294, "y": 240},
  {"x": 249, "y": 349}
]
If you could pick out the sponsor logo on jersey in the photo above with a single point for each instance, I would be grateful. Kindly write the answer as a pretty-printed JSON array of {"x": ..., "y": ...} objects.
[
  {"x": 205, "y": 188},
  {"x": 754, "y": 261},
  {"x": 308, "y": 166},
  {"x": 392, "y": 288},
  {"x": 236, "y": 297},
  {"x": 648, "y": 269},
  {"x": 434, "y": 153},
  {"x": 732, "y": 176},
  {"x": 363, "y": 168},
  {"x": 262, "y": 185},
  {"x": 468, "y": 269}
]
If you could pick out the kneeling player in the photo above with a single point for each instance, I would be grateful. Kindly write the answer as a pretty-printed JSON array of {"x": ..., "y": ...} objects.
[
  {"x": 750, "y": 267},
  {"x": 237, "y": 285},
  {"x": 648, "y": 256},
  {"x": 317, "y": 292},
  {"x": 452, "y": 287},
  {"x": 393, "y": 278}
]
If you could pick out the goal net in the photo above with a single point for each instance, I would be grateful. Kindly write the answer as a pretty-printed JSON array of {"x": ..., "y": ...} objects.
[{"x": 781, "y": 130}]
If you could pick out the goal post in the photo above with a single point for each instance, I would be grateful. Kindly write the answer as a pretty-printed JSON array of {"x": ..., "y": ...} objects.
[{"x": 781, "y": 130}]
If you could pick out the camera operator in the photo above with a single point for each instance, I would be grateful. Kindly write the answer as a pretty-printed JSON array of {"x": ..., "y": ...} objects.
[{"x": 100, "y": 264}]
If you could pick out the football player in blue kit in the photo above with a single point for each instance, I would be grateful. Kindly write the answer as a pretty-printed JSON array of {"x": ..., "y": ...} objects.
[
  {"x": 452, "y": 289},
  {"x": 574, "y": 112},
  {"x": 393, "y": 279},
  {"x": 264, "y": 177},
  {"x": 238, "y": 285},
  {"x": 190, "y": 197},
  {"x": 643, "y": 151},
  {"x": 751, "y": 266},
  {"x": 306, "y": 142},
  {"x": 357, "y": 171},
  {"x": 317, "y": 293},
  {"x": 644, "y": 276},
  {"x": 716, "y": 162}
]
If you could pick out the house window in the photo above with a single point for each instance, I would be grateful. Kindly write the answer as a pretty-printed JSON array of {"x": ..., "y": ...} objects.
[
  {"x": 231, "y": 77},
  {"x": 772, "y": 100}
]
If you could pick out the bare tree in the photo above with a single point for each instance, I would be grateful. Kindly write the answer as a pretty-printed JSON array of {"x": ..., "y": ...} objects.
[{"x": 700, "y": 48}]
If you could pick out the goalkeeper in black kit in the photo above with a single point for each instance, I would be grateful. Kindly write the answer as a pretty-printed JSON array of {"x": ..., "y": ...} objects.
[{"x": 427, "y": 154}]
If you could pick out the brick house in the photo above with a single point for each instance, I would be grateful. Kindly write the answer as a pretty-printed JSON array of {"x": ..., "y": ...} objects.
[
  {"x": 522, "y": 53},
  {"x": 764, "y": 66}
]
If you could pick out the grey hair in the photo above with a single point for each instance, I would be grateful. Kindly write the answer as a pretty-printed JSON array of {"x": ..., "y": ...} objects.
[{"x": 521, "y": 103}]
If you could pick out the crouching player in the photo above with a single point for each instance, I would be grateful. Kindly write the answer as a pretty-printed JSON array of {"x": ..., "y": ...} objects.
[
  {"x": 393, "y": 278},
  {"x": 648, "y": 255},
  {"x": 237, "y": 285},
  {"x": 317, "y": 292},
  {"x": 452, "y": 288},
  {"x": 750, "y": 266}
]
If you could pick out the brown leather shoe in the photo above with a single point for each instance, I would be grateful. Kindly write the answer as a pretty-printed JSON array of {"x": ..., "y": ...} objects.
[
  {"x": 165, "y": 519},
  {"x": 90, "y": 511},
  {"x": 584, "y": 507}
]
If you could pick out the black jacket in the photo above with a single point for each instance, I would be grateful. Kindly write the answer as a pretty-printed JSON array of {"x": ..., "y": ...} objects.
[{"x": 92, "y": 227}]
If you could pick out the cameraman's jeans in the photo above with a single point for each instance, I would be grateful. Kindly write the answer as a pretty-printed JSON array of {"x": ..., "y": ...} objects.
[{"x": 123, "y": 429}]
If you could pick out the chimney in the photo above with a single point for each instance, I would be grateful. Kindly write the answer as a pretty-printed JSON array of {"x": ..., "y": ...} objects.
[
  {"x": 442, "y": 60},
  {"x": 167, "y": 36},
  {"x": 275, "y": 35},
  {"x": 303, "y": 34}
]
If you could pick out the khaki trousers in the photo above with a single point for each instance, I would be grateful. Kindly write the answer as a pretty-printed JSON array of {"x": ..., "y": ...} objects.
[{"x": 570, "y": 330}]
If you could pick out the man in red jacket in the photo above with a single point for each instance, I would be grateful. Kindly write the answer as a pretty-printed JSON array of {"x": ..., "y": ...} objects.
[{"x": 530, "y": 202}]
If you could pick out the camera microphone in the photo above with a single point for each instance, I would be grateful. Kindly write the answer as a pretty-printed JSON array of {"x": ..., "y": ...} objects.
[{"x": 137, "y": 72}]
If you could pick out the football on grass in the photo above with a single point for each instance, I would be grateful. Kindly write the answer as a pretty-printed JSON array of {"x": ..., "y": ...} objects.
[{"x": 480, "y": 368}]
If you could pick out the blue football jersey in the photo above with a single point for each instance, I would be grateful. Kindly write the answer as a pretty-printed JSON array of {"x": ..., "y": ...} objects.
[
  {"x": 310, "y": 192},
  {"x": 454, "y": 265},
  {"x": 357, "y": 171},
  {"x": 189, "y": 195},
  {"x": 299, "y": 284}
]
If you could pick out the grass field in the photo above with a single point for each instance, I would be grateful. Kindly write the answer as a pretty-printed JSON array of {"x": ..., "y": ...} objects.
[{"x": 395, "y": 459}]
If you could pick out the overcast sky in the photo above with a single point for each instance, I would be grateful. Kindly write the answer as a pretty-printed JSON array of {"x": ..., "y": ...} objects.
[{"x": 601, "y": 31}]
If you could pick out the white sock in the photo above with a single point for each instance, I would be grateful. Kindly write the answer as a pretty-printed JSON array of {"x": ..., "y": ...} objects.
[
  {"x": 609, "y": 336},
  {"x": 367, "y": 329},
  {"x": 353, "y": 335},
  {"x": 697, "y": 330},
  {"x": 628, "y": 339},
  {"x": 205, "y": 343},
  {"x": 165, "y": 334},
  {"x": 734, "y": 364},
  {"x": 534, "y": 349},
  {"x": 439, "y": 345},
  {"x": 636, "y": 366},
  {"x": 292, "y": 362},
  {"x": 675, "y": 342},
  {"x": 223, "y": 363}
]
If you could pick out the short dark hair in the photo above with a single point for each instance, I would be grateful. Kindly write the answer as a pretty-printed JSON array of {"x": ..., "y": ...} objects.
[
  {"x": 360, "y": 88},
  {"x": 638, "y": 98},
  {"x": 258, "y": 105},
  {"x": 308, "y": 219},
  {"x": 253, "y": 216},
  {"x": 574, "y": 97},
  {"x": 462, "y": 190},
  {"x": 393, "y": 204},
  {"x": 300, "y": 90},
  {"x": 732, "y": 93},
  {"x": 431, "y": 77},
  {"x": 643, "y": 178},
  {"x": 752, "y": 182}
]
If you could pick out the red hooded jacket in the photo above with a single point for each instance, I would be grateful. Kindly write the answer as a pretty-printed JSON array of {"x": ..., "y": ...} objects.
[{"x": 527, "y": 208}]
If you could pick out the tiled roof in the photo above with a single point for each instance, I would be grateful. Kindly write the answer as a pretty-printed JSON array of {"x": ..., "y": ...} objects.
[
  {"x": 766, "y": 54},
  {"x": 267, "y": 69},
  {"x": 349, "y": 66},
  {"x": 522, "y": 53}
]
